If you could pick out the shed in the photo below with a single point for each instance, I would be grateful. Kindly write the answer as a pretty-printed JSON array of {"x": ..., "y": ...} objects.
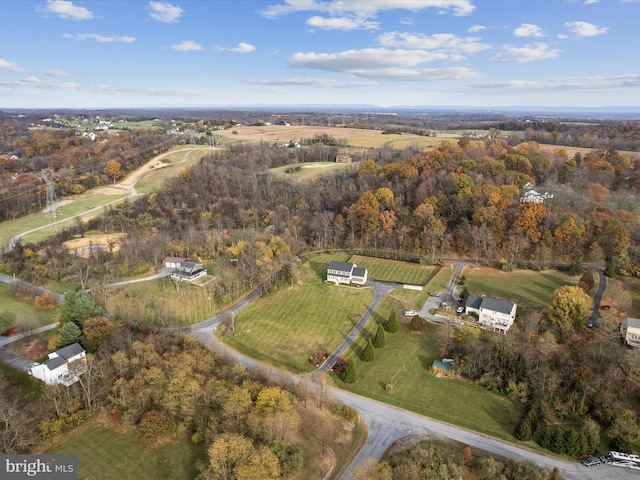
[{"x": 440, "y": 367}]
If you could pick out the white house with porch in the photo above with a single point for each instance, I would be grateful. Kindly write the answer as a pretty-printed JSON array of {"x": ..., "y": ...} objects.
[
  {"x": 188, "y": 272},
  {"x": 63, "y": 366},
  {"x": 344, "y": 273},
  {"x": 492, "y": 312}
]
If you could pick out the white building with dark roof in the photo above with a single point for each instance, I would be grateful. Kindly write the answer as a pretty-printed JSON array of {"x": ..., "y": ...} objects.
[
  {"x": 62, "y": 367},
  {"x": 344, "y": 273},
  {"x": 630, "y": 330},
  {"x": 493, "y": 312},
  {"x": 188, "y": 272}
]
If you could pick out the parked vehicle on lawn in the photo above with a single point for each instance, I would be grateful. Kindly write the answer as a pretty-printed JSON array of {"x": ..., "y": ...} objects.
[{"x": 410, "y": 313}]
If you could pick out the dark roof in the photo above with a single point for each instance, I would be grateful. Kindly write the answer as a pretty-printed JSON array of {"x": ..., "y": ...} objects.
[
  {"x": 64, "y": 354},
  {"x": 190, "y": 267},
  {"x": 340, "y": 266},
  {"x": 359, "y": 272},
  {"x": 495, "y": 304}
]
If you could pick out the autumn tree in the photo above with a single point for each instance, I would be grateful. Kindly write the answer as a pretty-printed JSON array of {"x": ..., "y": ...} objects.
[
  {"x": 113, "y": 169},
  {"x": 569, "y": 309},
  {"x": 275, "y": 417},
  {"x": 227, "y": 452}
]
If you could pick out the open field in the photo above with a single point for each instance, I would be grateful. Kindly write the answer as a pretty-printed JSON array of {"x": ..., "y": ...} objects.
[
  {"x": 527, "y": 288},
  {"x": 285, "y": 328},
  {"x": 395, "y": 271},
  {"x": 353, "y": 137},
  {"x": 107, "y": 453},
  {"x": 309, "y": 171},
  {"x": 408, "y": 357},
  {"x": 153, "y": 180},
  {"x": 13, "y": 310}
]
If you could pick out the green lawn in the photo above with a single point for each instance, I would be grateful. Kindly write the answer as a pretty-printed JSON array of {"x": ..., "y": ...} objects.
[
  {"x": 525, "y": 287},
  {"x": 30, "y": 388},
  {"x": 106, "y": 453},
  {"x": 310, "y": 170},
  {"x": 155, "y": 179},
  {"x": 414, "y": 388},
  {"x": 285, "y": 328},
  {"x": 80, "y": 204},
  {"x": 12, "y": 310},
  {"x": 386, "y": 270}
]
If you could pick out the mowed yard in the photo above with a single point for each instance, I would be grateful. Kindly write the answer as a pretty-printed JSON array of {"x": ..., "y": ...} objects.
[
  {"x": 285, "y": 328},
  {"x": 13, "y": 311},
  {"x": 110, "y": 453},
  {"x": 385, "y": 270},
  {"x": 405, "y": 363}
]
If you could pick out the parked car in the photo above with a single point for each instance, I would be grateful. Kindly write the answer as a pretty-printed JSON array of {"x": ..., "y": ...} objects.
[
  {"x": 410, "y": 313},
  {"x": 434, "y": 294},
  {"x": 460, "y": 310},
  {"x": 591, "y": 461}
]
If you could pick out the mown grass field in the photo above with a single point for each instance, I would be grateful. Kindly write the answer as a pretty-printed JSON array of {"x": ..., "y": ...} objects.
[
  {"x": 12, "y": 310},
  {"x": 408, "y": 357},
  {"x": 108, "y": 453},
  {"x": 285, "y": 328},
  {"x": 525, "y": 287},
  {"x": 394, "y": 271},
  {"x": 155, "y": 179},
  {"x": 311, "y": 170}
]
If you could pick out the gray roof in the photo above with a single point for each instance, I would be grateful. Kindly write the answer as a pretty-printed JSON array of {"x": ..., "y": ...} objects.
[
  {"x": 359, "y": 272},
  {"x": 633, "y": 322},
  {"x": 341, "y": 266},
  {"x": 495, "y": 304},
  {"x": 64, "y": 354}
]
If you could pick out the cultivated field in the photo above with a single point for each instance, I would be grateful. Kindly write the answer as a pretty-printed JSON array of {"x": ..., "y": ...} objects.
[{"x": 353, "y": 137}]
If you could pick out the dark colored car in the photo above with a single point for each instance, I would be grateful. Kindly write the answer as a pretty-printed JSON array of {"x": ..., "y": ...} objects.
[{"x": 591, "y": 461}]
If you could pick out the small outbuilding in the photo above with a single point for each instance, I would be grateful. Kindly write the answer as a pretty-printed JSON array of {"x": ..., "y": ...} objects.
[{"x": 439, "y": 366}]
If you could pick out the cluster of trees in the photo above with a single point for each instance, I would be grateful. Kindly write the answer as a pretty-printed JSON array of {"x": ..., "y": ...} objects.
[{"x": 436, "y": 461}]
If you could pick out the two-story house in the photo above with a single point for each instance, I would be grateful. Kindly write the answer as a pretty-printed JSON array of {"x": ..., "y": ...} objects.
[
  {"x": 630, "y": 330},
  {"x": 492, "y": 312},
  {"x": 344, "y": 273},
  {"x": 62, "y": 367}
]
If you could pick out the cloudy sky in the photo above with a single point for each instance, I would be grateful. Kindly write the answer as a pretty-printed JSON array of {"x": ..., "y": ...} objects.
[{"x": 140, "y": 53}]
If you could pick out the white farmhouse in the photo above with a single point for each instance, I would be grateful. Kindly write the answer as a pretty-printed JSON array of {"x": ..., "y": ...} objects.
[
  {"x": 346, "y": 273},
  {"x": 630, "y": 330},
  {"x": 493, "y": 312},
  {"x": 62, "y": 367}
]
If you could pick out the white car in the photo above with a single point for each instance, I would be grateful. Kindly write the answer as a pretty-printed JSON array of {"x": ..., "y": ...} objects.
[
  {"x": 460, "y": 310},
  {"x": 410, "y": 313}
]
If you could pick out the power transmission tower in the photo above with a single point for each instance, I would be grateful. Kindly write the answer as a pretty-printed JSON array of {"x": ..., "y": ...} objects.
[{"x": 53, "y": 204}]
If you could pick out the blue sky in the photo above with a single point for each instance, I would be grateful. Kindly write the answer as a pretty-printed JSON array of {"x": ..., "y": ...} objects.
[{"x": 135, "y": 53}]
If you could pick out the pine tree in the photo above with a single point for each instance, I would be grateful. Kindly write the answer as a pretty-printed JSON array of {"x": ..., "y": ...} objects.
[
  {"x": 572, "y": 442},
  {"x": 557, "y": 444},
  {"x": 392, "y": 324},
  {"x": 380, "y": 340},
  {"x": 523, "y": 430},
  {"x": 369, "y": 352},
  {"x": 350, "y": 375},
  {"x": 545, "y": 438},
  {"x": 69, "y": 333}
]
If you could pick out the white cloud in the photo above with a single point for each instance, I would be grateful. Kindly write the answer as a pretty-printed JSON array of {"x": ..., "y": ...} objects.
[
  {"x": 309, "y": 81},
  {"x": 165, "y": 12},
  {"x": 528, "y": 30},
  {"x": 381, "y": 63},
  {"x": 12, "y": 67},
  {"x": 242, "y": 48},
  {"x": 476, "y": 28},
  {"x": 366, "y": 7},
  {"x": 528, "y": 53},
  {"x": 30, "y": 80},
  {"x": 99, "y": 38},
  {"x": 596, "y": 83},
  {"x": 589, "y": 2},
  {"x": 186, "y": 46},
  {"x": 342, "y": 23},
  {"x": 444, "y": 42},
  {"x": 585, "y": 29},
  {"x": 56, "y": 73},
  {"x": 67, "y": 10}
]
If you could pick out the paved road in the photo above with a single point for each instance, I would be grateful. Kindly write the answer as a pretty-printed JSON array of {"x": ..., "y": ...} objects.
[{"x": 597, "y": 298}]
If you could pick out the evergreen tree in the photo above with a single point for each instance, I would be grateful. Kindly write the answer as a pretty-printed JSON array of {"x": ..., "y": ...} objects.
[
  {"x": 523, "y": 430},
  {"x": 380, "y": 340},
  {"x": 69, "y": 333},
  {"x": 369, "y": 352},
  {"x": 557, "y": 444},
  {"x": 392, "y": 324},
  {"x": 572, "y": 442},
  {"x": 545, "y": 438},
  {"x": 350, "y": 375},
  {"x": 78, "y": 306}
]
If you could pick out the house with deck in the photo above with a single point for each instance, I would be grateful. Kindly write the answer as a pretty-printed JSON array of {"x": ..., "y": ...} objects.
[
  {"x": 62, "y": 367},
  {"x": 495, "y": 313},
  {"x": 344, "y": 273},
  {"x": 188, "y": 272},
  {"x": 630, "y": 330}
]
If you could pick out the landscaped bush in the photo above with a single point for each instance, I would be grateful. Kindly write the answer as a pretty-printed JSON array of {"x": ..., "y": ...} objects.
[
  {"x": 348, "y": 413},
  {"x": 339, "y": 366},
  {"x": 45, "y": 301},
  {"x": 317, "y": 359}
]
